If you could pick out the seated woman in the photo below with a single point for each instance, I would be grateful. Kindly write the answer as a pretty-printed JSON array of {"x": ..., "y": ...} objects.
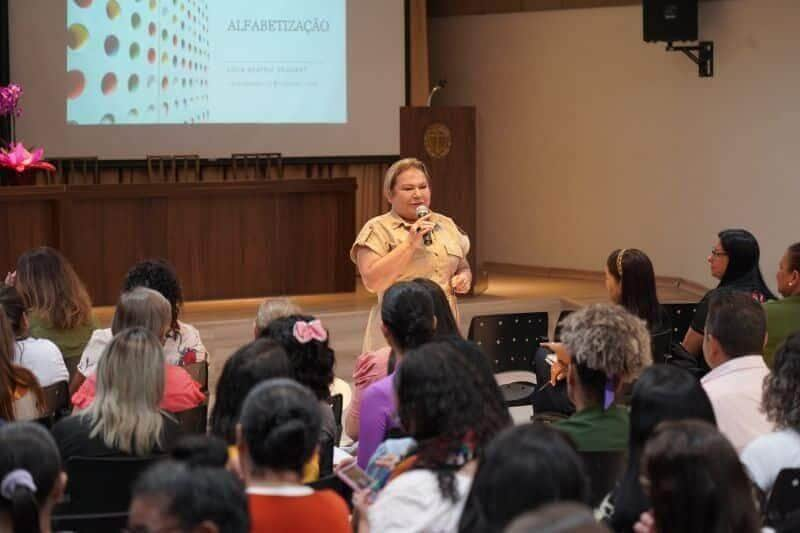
[
  {"x": 733, "y": 261},
  {"x": 269, "y": 310},
  {"x": 250, "y": 365},
  {"x": 182, "y": 344},
  {"x": 125, "y": 417},
  {"x": 630, "y": 282},
  {"x": 783, "y": 316},
  {"x": 31, "y": 479},
  {"x": 605, "y": 347},
  {"x": 441, "y": 406},
  {"x": 524, "y": 467},
  {"x": 311, "y": 360},
  {"x": 694, "y": 478},
  {"x": 40, "y": 356},
  {"x": 278, "y": 433},
  {"x": 373, "y": 366},
  {"x": 58, "y": 304},
  {"x": 767, "y": 455},
  {"x": 146, "y": 308},
  {"x": 407, "y": 322},
  {"x": 21, "y": 397},
  {"x": 662, "y": 392}
]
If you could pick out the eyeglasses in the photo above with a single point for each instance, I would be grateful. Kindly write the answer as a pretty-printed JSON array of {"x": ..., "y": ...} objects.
[{"x": 717, "y": 253}]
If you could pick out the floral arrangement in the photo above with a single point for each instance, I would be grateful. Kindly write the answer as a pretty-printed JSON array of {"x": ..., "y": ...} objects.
[
  {"x": 15, "y": 159},
  {"x": 18, "y": 159},
  {"x": 9, "y": 100}
]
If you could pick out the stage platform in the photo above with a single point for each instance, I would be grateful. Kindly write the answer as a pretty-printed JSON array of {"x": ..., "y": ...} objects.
[{"x": 227, "y": 324}]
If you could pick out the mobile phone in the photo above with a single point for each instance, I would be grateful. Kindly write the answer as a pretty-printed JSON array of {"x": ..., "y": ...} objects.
[
  {"x": 355, "y": 477},
  {"x": 551, "y": 359}
]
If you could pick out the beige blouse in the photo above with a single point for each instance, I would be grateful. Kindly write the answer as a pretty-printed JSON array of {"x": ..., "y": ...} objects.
[{"x": 437, "y": 262}]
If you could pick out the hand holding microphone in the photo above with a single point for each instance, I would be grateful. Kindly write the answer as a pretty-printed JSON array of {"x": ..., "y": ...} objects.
[{"x": 423, "y": 214}]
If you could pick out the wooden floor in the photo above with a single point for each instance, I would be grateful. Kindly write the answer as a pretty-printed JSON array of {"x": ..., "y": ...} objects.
[{"x": 226, "y": 325}]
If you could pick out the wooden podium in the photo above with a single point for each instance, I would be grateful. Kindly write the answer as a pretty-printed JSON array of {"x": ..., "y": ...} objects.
[{"x": 444, "y": 139}]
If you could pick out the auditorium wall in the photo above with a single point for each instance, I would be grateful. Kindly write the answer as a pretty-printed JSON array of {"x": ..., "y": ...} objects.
[{"x": 590, "y": 139}]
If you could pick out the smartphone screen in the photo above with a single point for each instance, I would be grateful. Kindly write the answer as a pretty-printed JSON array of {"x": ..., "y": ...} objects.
[{"x": 354, "y": 476}]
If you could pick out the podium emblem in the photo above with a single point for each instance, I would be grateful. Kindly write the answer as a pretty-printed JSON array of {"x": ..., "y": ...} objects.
[{"x": 438, "y": 140}]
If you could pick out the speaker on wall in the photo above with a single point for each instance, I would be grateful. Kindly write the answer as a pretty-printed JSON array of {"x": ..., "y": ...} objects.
[{"x": 670, "y": 20}]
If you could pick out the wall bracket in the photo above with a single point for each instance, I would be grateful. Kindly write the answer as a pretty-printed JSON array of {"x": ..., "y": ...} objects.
[{"x": 704, "y": 58}]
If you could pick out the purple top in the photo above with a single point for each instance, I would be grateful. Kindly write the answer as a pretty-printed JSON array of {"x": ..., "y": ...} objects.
[{"x": 377, "y": 417}]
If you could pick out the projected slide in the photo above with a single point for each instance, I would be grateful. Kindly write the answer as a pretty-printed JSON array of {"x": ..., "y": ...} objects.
[{"x": 206, "y": 61}]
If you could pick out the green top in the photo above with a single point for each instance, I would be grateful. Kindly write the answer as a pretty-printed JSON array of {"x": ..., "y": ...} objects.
[
  {"x": 595, "y": 430},
  {"x": 783, "y": 318},
  {"x": 71, "y": 342}
]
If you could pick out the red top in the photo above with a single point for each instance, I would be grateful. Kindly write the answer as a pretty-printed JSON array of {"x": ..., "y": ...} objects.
[
  {"x": 298, "y": 510},
  {"x": 181, "y": 392}
]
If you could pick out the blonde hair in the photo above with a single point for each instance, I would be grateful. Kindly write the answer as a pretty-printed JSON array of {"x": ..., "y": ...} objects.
[
  {"x": 607, "y": 338},
  {"x": 52, "y": 290},
  {"x": 142, "y": 307},
  {"x": 270, "y": 309},
  {"x": 130, "y": 384},
  {"x": 397, "y": 168}
]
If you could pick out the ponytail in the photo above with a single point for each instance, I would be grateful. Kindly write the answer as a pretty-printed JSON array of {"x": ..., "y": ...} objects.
[{"x": 19, "y": 490}]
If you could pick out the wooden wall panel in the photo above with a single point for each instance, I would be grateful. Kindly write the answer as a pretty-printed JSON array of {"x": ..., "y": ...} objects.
[{"x": 23, "y": 222}]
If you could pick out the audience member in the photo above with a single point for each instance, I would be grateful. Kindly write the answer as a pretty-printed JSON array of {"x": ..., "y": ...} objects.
[
  {"x": 176, "y": 497},
  {"x": 767, "y": 455},
  {"x": 783, "y": 316},
  {"x": 40, "y": 356},
  {"x": 407, "y": 322},
  {"x": 373, "y": 366},
  {"x": 31, "y": 479},
  {"x": 734, "y": 262},
  {"x": 560, "y": 517},
  {"x": 182, "y": 343},
  {"x": 148, "y": 309},
  {"x": 251, "y": 364},
  {"x": 21, "y": 397},
  {"x": 630, "y": 282},
  {"x": 124, "y": 418},
  {"x": 269, "y": 310},
  {"x": 662, "y": 392},
  {"x": 59, "y": 306},
  {"x": 694, "y": 478},
  {"x": 523, "y": 467},
  {"x": 733, "y": 343},
  {"x": 440, "y": 406},
  {"x": 605, "y": 346},
  {"x": 278, "y": 433},
  {"x": 311, "y": 360}
]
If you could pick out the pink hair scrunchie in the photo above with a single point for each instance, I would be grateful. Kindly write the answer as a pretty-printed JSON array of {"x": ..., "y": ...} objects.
[{"x": 306, "y": 332}]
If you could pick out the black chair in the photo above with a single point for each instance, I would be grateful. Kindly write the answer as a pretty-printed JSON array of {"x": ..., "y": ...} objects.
[
  {"x": 561, "y": 316},
  {"x": 90, "y": 523},
  {"x": 325, "y": 455},
  {"x": 193, "y": 421},
  {"x": 681, "y": 316},
  {"x": 510, "y": 342},
  {"x": 604, "y": 470},
  {"x": 199, "y": 373},
  {"x": 335, "y": 484},
  {"x": 783, "y": 506},
  {"x": 337, "y": 404},
  {"x": 100, "y": 485},
  {"x": 57, "y": 400},
  {"x": 660, "y": 344}
]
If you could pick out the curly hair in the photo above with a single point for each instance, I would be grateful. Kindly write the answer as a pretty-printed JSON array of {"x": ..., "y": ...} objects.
[
  {"x": 159, "y": 275},
  {"x": 781, "y": 396},
  {"x": 311, "y": 363},
  {"x": 608, "y": 339},
  {"x": 440, "y": 405}
]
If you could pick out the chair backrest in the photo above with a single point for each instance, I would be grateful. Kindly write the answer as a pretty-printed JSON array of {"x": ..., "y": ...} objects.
[
  {"x": 681, "y": 316},
  {"x": 90, "y": 523},
  {"x": 193, "y": 421},
  {"x": 561, "y": 316},
  {"x": 783, "y": 506},
  {"x": 199, "y": 373},
  {"x": 169, "y": 168},
  {"x": 509, "y": 341},
  {"x": 256, "y": 166},
  {"x": 604, "y": 470},
  {"x": 660, "y": 344},
  {"x": 335, "y": 484},
  {"x": 336, "y": 402},
  {"x": 76, "y": 170},
  {"x": 57, "y": 400},
  {"x": 101, "y": 484}
]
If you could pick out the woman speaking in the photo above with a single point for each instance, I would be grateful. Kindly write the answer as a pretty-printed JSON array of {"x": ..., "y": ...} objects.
[{"x": 409, "y": 242}]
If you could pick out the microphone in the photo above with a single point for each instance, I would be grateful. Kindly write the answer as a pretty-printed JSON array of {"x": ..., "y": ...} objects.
[
  {"x": 436, "y": 88},
  {"x": 423, "y": 211}
]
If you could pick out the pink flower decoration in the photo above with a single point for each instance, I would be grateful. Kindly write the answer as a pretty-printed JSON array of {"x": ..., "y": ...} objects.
[
  {"x": 19, "y": 159},
  {"x": 9, "y": 100}
]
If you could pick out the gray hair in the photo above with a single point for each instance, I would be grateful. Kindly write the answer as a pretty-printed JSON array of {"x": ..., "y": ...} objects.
[
  {"x": 130, "y": 384},
  {"x": 397, "y": 168},
  {"x": 142, "y": 307},
  {"x": 607, "y": 338},
  {"x": 270, "y": 309}
]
